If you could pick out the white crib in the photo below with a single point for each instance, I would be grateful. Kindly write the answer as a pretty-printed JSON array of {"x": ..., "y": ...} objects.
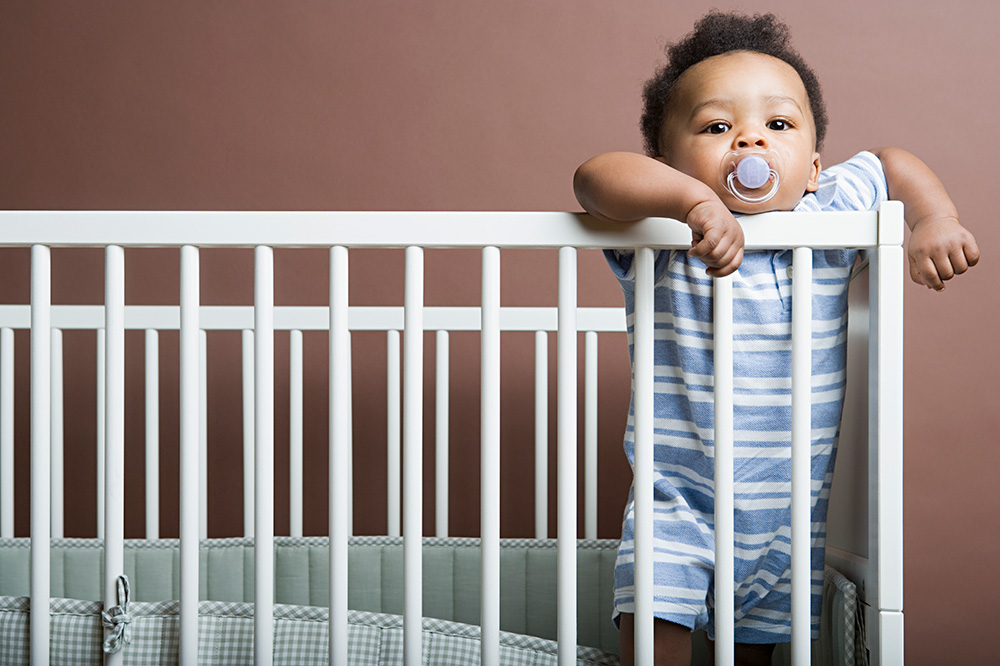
[{"x": 865, "y": 525}]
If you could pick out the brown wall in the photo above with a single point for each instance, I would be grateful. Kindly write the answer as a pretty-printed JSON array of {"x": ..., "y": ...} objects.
[{"x": 474, "y": 105}]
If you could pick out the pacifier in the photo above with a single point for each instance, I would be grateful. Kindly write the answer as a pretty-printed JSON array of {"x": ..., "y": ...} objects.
[{"x": 752, "y": 178}]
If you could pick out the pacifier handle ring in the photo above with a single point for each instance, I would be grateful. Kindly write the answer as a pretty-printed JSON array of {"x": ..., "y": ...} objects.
[{"x": 753, "y": 200}]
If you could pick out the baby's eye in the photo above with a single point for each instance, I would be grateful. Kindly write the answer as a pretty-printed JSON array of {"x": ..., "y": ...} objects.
[
  {"x": 779, "y": 125},
  {"x": 717, "y": 128}
]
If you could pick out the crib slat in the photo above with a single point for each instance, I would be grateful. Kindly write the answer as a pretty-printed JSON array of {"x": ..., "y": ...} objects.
[
  {"x": 114, "y": 448},
  {"x": 350, "y": 437},
  {"x": 643, "y": 468},
  {"x": 340, "y": 452},
  {"x": 490, "y": 458},
  {"x": 413, "y": 357},
  {"x": 203, "y": 434},
  {"x": 101, "y": 348},
  {"x": 248, "y": 432},
  {"x": 392, "y": 435},
  {"x": 6, "y": 433},
  {"x": 189, "y": 454},
  {"x": 295, "y": 433},
  {"x": 152, "y": 434},
  {"x": 801, "y": 452},
  {"x": 541, "y": 435},
  {"x": 566, "y": 529},
  {"x": 590, "y": 436},
  {"x": 724, "y": 546},
  {"x": 41, "y": 336},
  {"x": 58, "y": 509},
  {"x": 441, "y": 385},
  {"x": 263, "y": 596}
]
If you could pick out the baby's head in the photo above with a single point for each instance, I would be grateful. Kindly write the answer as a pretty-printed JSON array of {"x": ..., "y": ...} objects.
[{"x": 732, "y": 87}]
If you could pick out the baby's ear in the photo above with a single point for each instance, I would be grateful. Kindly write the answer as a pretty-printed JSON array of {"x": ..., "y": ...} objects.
[{"x": 817, "y": 167}]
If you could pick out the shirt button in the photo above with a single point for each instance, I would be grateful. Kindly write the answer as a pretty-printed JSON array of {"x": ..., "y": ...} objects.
[{"x": 788, "y": 271}]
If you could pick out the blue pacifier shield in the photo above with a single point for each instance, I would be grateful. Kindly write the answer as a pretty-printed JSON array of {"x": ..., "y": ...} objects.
[{"x": 753, "y": 172}]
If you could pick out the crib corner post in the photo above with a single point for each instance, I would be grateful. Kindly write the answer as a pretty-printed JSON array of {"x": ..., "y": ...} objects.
[{"x": 886, "y": 434}]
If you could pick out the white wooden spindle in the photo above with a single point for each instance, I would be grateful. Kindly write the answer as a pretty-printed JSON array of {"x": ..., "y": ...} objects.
[
  {"x": 6, "y": 433},
  {"x": 114, "y": 448},
  {"x": 590, "y": 436},
  {"x": 490, "y": 458},
  {"x": 441, "y": 386},
  {"x": 642, "y": 480},
  {"x": 393, "y": 453},
  {"x": 190, "y": 458},
  {"x": 801, "y": 453},
  {"x": 541, "y": 435},
  {"x": 152, "y": 434},
  {"x": 263, "y": 639},
  {"x": 724, "y": 545},
  {"x": 248, "y": 432},
  {"x": 203, "y": 433},
  {"x": 58, "y": 509},
  {"x": 41, "y": 336},
  {"x": 350, "y": 439},
  {"x": 413, "y": 358},
  {"x": 340, "y": 452},
  {"x": 101, "y": 348},
  {"x": 295, "y": 433},
  {"x": 566, "y": 528}
]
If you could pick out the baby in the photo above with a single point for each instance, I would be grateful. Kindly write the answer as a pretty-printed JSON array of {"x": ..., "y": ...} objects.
[{"x": 735, "y": 87}]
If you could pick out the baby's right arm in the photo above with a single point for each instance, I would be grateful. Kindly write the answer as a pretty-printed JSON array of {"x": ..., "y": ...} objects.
[{"x": 625, "y": 187}]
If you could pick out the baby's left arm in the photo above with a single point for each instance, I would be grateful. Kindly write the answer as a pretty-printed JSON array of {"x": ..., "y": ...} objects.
[{"x": 940, "y": 247}]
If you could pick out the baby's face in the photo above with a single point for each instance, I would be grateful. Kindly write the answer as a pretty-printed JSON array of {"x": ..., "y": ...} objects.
[{"x": 744, "y": 102}]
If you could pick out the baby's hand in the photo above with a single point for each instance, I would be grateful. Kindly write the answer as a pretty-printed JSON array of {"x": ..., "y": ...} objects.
[
  {"x": 716, "y": 237},
  {"x": 939, "y": 249}
]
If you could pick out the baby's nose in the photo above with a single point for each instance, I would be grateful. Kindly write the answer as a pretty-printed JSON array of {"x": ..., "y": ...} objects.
[{"x": 750, "y": 139}]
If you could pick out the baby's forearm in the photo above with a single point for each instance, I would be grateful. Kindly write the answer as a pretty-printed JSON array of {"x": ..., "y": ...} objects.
[
  {"x": 912, "y": 182},
  {"x": 624, "y": 187}
]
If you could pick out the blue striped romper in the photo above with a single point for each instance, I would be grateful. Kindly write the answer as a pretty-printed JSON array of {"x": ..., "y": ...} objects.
[{"x": 684, "y": 420}]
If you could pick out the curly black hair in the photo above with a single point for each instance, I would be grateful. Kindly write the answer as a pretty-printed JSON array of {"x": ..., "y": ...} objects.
[{"x": 715, "y": 34}]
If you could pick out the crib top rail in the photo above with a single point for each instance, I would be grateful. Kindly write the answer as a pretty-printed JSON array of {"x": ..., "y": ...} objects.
[{"x": 448, "y": 229}]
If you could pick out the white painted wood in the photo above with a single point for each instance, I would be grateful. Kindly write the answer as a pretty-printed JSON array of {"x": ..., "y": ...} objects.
[
  {"x": 190, "y": 459},
  {"x": 490, "y": 459},
  {"x": 541, "y": 435},
  {"x": 394, "y": 419},
  {"x": 590, "y": 437},
  {"x": 263, "y": 637},
  {"x": 642, "y": 480},
  {"x": 202, "y": 434},
  {"x": 724, "y": 441},
  {"x": 566, "y": 446},
  {"x": 801, "y": 453},
  {"x": 6, "y": 433},
  {"x": 443, "y": 229},
  {"x": 114, "y": 450},
  {"x": 41, "y": 357},
  {"x": 890, "y": 639},
  {"x": 413, "y": 378},
  {"x": 340, "y": 453},
  {"x": 441, "y": 398},
  {"x": 249, "y": 438},
  {"x": 57, "y": 484},
  {"x": 152, "y": 376},
  {"x": 101, "y": 348},
  {"x": 295, "y": 415}
]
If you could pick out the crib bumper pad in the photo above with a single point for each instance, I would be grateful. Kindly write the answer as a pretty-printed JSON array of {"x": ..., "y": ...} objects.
[
  {"x": 225, "y": 636},
  {"x": 451, "y": 568},
  {"x": 451, "y": 600}
]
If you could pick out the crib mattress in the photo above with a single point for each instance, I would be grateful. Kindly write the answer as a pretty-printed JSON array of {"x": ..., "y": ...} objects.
[{"x": 225, "y": 637}]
